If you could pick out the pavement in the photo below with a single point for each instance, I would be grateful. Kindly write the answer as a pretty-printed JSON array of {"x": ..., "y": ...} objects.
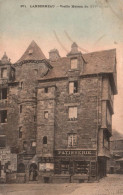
[{"x": 110, "y": 185}]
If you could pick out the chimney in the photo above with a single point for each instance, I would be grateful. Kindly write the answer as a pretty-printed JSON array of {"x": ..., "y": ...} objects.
[{"x": 54, "y": 55}]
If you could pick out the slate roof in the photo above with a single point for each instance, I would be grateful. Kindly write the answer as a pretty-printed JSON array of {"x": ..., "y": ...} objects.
[
  {"x": 100, "y": 62},
  {"x": 96, "y": 62},
  {"x": 33, "y": 52}
]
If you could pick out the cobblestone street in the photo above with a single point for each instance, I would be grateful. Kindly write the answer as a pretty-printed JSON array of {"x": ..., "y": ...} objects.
[{"x": 111, "y": 185}]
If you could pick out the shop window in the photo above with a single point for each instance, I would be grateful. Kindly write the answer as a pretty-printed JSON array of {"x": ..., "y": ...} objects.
[
  {"x": 65, "y": 167},
  {"x": 72, "y": 113},
  {"x": 72, "y": 140},
  {"x": 45, "y": 140},
  {"x": 20, "y": 108},
  {"x": 20, "y": 132},
  {"x": 74, "y": 63},
  {"x": 2, "y": 141},
  {"x": 73, "y": 87},
  {"x": 82, "y": 167},
  {"x": 46, "y": 90},
  {"x": 3, "y": 116},
  {"x": 46, "y": 115},
  {"x": 3, "y": 72},
  {"x": 3, "y": 94}
]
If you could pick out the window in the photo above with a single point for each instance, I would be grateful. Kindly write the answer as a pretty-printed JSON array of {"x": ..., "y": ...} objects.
[
  {"x": 33, "y": 143},
  {"x": 72, "y": 113},
  {"x": 72, "y": 140},
  {"x": 34, "y": 118},
  {"x": 3, "y": 94},
  {"x": 20, "y": 132},
  {"x": 30, "y": 51},
  {"x": 3, "y": 72},
  {"x": 21, "y": 85},
  {"x": 45, "y": 140},
  {"x": 105, "y": 140},
  {"x": 20, "y": 108},
  {"x": 65, "y": 167},
  {"x": 74, "y": 63},
  {"x": 35, "y": 71},
  {"x": 73, "y": 87},
  {"x": 3, "y": 116},
  {"x": 46, "y": 89},
  {"x": 2, "y": 141},
  {"x": 46, "y": 114},
  {"x": 24, "y": 145}
]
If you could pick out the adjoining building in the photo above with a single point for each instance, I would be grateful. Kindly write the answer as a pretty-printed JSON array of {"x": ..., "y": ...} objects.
[
  {"x": 115, "y": 163},
  {"x": 56, "y": 113}
]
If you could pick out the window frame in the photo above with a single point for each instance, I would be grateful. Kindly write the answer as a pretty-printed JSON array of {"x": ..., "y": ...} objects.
[
  {"x": 3, "y": 136},
  {"x": 46, "y": 90},
  {"x": 44, "y": 140},
  {"x": 1, "y": 119},
  {"x": 73, "y": 59},
  {"x": 75, "y": 88},
  {"x": 46, "y": 112},
  {"x": 71, "y": 140},
  {"x": 20, "y": 108},
  {"x": 20, "y": 132},
  {"x": 1, "y": 93},
  {"x": 2, "y": 70},
  {"x": 73, "y": 118}
]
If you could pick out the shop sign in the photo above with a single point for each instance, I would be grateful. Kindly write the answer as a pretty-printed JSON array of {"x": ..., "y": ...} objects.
[{"x": 75, "y": 153}]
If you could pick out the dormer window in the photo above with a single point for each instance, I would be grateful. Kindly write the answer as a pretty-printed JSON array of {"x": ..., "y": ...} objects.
[
  {"x": 74, "y": 63},
  {"x": 30, "y": 51}
]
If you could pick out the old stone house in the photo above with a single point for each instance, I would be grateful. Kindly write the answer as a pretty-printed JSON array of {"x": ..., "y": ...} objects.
[{"x": 56, "y": 113}]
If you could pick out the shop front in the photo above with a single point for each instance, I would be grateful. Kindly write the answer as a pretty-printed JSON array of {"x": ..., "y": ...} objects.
[{"x": 75, "y": 166}]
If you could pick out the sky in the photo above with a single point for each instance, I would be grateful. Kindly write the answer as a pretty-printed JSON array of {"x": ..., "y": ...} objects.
[{"x": 95, "y": 25}]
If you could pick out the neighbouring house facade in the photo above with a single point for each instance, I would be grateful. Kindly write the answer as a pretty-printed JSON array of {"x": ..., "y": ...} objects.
[
  {"x": 56, "y": 113},
  {"x": 115, "y": 163}
]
